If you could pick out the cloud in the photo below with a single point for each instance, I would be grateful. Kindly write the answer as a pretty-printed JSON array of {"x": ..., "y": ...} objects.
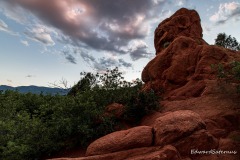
[
  {"x": 15, "y": 13},
  {"x": 87, "y": 57},
  {"x": 25, "y": 43},
  {"x": 124, "y": 63},
  {"x": 206, "y": 28},
  {"x": 138, "y": 49},
  {"x": 180, "y": 2},
  {"x": 226, "y": 11},
  {"x": 30, "y": 76},
  {"x": 100, "y": 25},
  {"x": 4, "y": 27},
  {"x": 107, "y": 62},
  {"x": 103, "y": 63},
  {"x": 69, "y": 57},
  {"x": 40, "y": 34}
]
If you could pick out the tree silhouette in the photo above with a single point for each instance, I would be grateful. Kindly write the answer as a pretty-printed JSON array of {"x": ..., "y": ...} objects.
[{"x": 227, "y": 42}]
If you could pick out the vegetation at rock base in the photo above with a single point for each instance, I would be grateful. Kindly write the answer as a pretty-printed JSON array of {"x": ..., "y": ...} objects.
[
  {"x": 231, "y": 72},
  {"x": 227, "y": 42},
  {"x": 32, "y": 126}
]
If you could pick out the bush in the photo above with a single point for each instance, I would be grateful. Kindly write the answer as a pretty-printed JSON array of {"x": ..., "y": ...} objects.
[
  {"x": 141, "y": 104},
  {"x": 230, "y": 74},
  {"x": 34, "y": 126}
]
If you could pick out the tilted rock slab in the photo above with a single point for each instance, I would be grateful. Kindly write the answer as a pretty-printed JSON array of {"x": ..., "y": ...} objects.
[
  {"x": 136, "y": 137},
  {"x": 176, "y": 125}
]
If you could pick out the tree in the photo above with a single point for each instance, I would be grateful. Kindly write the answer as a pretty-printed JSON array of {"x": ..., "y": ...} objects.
[
  {"x": 87, "y": 82},
  {"x": 227, "y": 42},
  {"x": 111, "y": 79}
]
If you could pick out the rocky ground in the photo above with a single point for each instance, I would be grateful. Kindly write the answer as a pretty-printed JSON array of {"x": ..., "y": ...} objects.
[{"x": 198, "y": 113}]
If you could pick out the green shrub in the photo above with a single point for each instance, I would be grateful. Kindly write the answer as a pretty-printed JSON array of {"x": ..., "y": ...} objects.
[
  {"x": 141, "y": 104},
  {"x": 35, "y": 126},
  {"x": 230, "y": 74}
]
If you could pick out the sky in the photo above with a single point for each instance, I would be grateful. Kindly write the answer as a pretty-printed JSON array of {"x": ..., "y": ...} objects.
[{"x": 43, "y": 42}]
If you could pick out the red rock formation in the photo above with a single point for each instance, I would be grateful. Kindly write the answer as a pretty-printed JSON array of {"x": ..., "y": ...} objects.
[
  {"x": 201, "y": 140},
  {"x": 147, "y": 153},
  {"x": 183, "y": 59},
  {"x": 182, "y": 23},
  {"x": 115, "y": 109},
  {"x": 122, "y": 140},
  {"x": 166, "y": 153},
  {"x": 176, "y": 125}
]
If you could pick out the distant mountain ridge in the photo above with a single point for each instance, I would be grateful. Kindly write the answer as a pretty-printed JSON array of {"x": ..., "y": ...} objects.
[{"x": 35, "y": 89}]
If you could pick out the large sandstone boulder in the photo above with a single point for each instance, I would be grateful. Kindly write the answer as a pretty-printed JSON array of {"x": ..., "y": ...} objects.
[
  {"x": 122, "y": 140},
  {"x": 176, "y": 125},
  {"x": 183, "y": 60}
]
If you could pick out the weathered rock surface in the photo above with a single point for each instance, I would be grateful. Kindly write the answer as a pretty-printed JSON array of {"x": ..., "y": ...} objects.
[
  {"x": 122, "y": 140},
  {"x": 182, "y": 23},
  {"x": 166, "y": 153},
  {"x": 181, "y": 67},
  {"x": 147, "y": 153},
  {"x": 176, "y": 125},
  {"x": 227, "y": 150},
  {"x": 115, "y": 109},
  {"x": 200, "y": 140},
  {"x": 227, "y": 144}
]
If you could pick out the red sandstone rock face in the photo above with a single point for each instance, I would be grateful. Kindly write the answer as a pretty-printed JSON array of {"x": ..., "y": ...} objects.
[
  {"x": 224, "y": 145},
  {"x": 166, "y": 153},
  {"x": 176, "y": 125},
  {"x": 115, "y": 109},
  {"x": 122, "y": 140},
  {"x": 147, "y": 153},
  {"x": 183, "y": 60},
  {"x": 182, "y": 23},
  {"x": 200, "y": 140}
]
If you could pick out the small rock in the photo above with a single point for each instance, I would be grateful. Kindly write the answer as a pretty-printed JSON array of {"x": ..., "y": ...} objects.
[{"x": 115, "y": 109}]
